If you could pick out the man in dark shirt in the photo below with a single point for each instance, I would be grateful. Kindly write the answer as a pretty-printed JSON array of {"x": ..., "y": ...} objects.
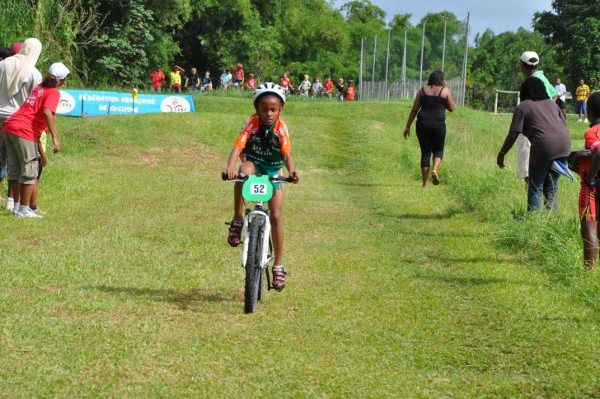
[{"x": 192, "y": 81}]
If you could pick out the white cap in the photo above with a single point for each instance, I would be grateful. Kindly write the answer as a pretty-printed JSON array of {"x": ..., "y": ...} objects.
[
  {"x": 530, "y": 58},
  {"x": 59, "y": 70}
]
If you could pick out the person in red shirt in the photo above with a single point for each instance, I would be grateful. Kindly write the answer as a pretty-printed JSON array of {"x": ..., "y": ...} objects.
[
  {"x": 157, "y": 79},
  {"x": 238, "y": 78},
  {"x": 351, "y": 91},
  {"x": 22, "y": 133},
  {"x": 251, "y": 84},
  {"x": 285, "y": 83},
  {"x": 328, "y": 87},
  {"x": 588, "y": 167}
]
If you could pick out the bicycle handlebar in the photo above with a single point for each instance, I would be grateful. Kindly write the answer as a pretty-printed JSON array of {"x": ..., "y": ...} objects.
[{"x": 242, "y": 178}]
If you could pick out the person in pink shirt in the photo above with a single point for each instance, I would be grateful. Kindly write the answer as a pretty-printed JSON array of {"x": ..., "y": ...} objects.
[
  {"x": 285, "y": 83},
  {"x": 22, "y": 134}
]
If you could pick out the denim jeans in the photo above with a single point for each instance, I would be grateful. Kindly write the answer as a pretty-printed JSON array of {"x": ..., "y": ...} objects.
[
  {"x": 581, "y": 109},
  {"x": 543, "y": 182}
]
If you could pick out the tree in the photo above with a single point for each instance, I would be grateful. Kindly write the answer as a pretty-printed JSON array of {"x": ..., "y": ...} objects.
[
  {"x": 494, "y": 63},
  {"x": 573, "y": 27}
]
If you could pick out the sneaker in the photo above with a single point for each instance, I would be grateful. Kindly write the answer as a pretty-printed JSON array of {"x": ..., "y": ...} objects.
[
  {"x": 27, "y": 213},
  {"x": 586, "y": 120},
  {"x": 279, "y": 274},
  {"x": 10, "y": 204},
  {"x": 579, "y": 121},
  {"x": 234, "y": 236}
]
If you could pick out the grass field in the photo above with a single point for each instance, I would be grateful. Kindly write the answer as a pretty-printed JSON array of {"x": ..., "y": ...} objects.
[{"x": 128, "y": 289}]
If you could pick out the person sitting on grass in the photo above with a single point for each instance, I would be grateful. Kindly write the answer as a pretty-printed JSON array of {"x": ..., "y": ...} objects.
[
  {"x": 22, "y": 132},
  {"x": 264, "y": 148},
  {"x": 588, "y": 168},
  {"x": 317, "y": 87}
]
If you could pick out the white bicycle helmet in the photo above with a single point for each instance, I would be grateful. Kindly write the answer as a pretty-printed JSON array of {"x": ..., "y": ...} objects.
[{"x": 269, "y": 88}]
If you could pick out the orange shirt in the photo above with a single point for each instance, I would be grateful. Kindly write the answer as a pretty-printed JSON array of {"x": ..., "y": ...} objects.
[{"x": 253, "y": 149}]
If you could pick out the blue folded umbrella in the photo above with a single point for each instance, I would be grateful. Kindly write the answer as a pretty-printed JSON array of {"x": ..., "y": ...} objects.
[{"x": 561, "y": 168}]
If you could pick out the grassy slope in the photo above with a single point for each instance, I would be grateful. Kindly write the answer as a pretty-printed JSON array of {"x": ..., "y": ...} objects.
[{"x": 127, "y": 288}]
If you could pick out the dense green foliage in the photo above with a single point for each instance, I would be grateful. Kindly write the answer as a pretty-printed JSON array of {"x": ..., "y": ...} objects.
[
  {"x": 118, "y": 42},
  {"x": 574, "y": 27}
]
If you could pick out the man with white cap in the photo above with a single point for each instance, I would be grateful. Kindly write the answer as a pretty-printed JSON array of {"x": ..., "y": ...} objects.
[
  {"x": 22, "y": 132},
  {"x": 529, "y": 67}
]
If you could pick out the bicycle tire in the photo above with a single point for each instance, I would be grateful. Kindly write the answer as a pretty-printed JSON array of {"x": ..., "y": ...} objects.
[{"x": 253, "y": 270}]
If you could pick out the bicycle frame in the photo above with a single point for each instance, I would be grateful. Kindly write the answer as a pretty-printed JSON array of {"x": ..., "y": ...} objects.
[{"x": 250, "y": 215}]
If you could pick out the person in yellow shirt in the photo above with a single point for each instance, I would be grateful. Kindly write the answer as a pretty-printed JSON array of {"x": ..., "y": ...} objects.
[
  {"x": 582, "y": 93},
  {"x": 175, "y": 77}
]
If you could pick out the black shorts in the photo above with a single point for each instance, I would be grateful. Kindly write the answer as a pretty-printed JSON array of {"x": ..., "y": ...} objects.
[{"x": 560, "y": 103}]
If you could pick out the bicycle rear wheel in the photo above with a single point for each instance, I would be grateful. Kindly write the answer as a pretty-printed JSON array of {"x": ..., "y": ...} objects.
[{"x": 253, "y": 271}]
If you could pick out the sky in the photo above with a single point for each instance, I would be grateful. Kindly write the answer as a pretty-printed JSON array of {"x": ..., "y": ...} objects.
[{"x": 498, "y": 15}]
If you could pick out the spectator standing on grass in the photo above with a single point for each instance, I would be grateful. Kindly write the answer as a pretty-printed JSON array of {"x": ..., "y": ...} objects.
[
  {"x": 207, "y": 82},
  {"x": 304, "y": 87},
  {"x": 192, "y": 81},
  {"x": 226, "y": 79},
  {"x": 238, "y": 78},
  {"x": 429, "y": 108},
  {"x": 543, "y": 123},
  {"x": 317, "y": 87},
  {"x": 157, "y": 77},
  {"x": 22, "y": 134},
  {"x": 175, "y": 78},
  {"x": 18, "y": 77},
  {"x": 529, "y": 63},
  {"x": 351, "y": 91},
  {"x": 588, "y": 168},
  {"x": 582, "y": 93},
  {"x": 328, "y": 87},
  {"x": 561, "y": 92}
]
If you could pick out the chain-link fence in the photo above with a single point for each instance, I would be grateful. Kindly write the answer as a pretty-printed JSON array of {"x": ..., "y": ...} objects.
[
  {"x": 383, "y": 91},
  {"x": 397, "y": 65}
]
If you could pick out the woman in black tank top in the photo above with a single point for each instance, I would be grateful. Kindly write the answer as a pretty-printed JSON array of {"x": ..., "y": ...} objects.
[{"x": 430, "y": 108}]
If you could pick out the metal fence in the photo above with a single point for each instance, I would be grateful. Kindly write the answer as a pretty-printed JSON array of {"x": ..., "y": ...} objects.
[{"x": 380, "y": 91}]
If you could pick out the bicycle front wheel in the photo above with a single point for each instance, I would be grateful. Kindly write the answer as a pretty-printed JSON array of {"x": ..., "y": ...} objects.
[{"x": 253, "y": 271}]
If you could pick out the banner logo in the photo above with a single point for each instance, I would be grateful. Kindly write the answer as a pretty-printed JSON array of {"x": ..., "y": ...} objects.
[
  {"x": 175, "y": 104},
  {"x": 66, "y": 103}
]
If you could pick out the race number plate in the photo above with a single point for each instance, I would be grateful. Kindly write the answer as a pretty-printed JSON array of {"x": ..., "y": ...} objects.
[{"x": 257, "y": 189}]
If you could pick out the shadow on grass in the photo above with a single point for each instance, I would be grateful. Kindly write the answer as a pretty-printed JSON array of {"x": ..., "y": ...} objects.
[
  {"x": 465, "y": 281},
  {"x": 419, "y": 216},
  {"x": 185, "y": 300}
]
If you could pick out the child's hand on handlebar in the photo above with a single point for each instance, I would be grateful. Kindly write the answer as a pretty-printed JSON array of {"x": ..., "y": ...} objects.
[{"x": 231, "y": 173}]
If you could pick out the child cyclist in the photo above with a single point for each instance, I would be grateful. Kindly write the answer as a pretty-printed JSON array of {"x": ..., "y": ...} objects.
[
  {"x": 589, "y": 205},
  {"x": 264, "y": 148}
]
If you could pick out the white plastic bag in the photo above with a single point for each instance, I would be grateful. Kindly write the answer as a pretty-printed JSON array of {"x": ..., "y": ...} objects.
[{"x": 523, "y": 148}]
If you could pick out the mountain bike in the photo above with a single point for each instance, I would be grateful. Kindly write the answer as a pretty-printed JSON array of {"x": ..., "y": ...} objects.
[{"x": 257, "y": 250}]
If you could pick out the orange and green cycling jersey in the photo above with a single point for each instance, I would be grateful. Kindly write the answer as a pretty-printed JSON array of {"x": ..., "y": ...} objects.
[
  {"x": 582, "y": 92},
  {"x": 266, "y": 146}
]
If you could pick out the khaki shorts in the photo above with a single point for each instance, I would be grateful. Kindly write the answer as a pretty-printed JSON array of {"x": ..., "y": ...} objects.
[
  {"x": 23, "y": 159},
  {"x": 2, "y": 146}
]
